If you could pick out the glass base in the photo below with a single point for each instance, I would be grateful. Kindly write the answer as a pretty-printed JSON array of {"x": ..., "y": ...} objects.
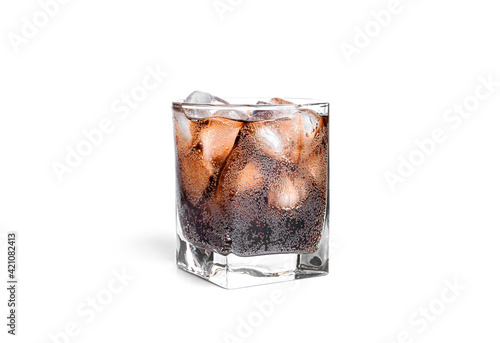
[{"x": 233, "y": 271}]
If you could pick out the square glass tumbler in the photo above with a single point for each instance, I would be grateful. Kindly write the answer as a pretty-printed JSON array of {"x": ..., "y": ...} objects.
[{"x": 252, "y": 190}]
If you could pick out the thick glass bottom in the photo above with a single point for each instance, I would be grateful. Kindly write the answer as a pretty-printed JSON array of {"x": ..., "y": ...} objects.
[{"x": 233, "y": 271}]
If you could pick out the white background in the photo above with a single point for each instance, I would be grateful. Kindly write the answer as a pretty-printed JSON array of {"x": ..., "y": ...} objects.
[{"x": 392, "y": 250}]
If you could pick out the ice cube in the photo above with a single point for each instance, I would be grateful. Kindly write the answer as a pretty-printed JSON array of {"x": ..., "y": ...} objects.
[
  {"x": 198, "y": 97},
  {"x": 313, "y": 132},
  {"x": 317, "y": 164},
  {"x": 202, "y": 98},
  {"x": 288, "y": 191},
  {"x": 249, "y": 177},
  {"x": 268, "y": 114},
  {"x": 216, "y": 140},
  {"x": 270, "y": 139},
  {"x": 193, "y": 176},
  {"x": 185, "y": 130},
  {"x": 202, "y": 150},
  {"x": 239, "y": 178},
  {"x": 232, "y": 114},
  {"x": 309, "y": 124},
  {"x": 278, "y": 101},
  {"x": 262, "y": 115},
  {"x": 314, "y": 149},
  {"x": 276, "y": 139},
  {"x": 244, "y": 175}
]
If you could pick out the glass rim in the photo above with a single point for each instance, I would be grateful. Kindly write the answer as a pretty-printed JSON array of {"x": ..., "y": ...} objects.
[{"x": 251, "y": 102}]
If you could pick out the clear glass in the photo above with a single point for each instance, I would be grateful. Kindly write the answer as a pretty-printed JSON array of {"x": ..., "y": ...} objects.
[{"x": 252, "y": 190}]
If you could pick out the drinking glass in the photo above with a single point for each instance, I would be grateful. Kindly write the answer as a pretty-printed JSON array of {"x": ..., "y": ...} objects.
[{"x": 252, "y": 190}]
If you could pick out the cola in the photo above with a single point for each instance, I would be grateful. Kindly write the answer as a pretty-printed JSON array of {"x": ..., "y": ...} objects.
[{"x": 253, "y": 180}]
